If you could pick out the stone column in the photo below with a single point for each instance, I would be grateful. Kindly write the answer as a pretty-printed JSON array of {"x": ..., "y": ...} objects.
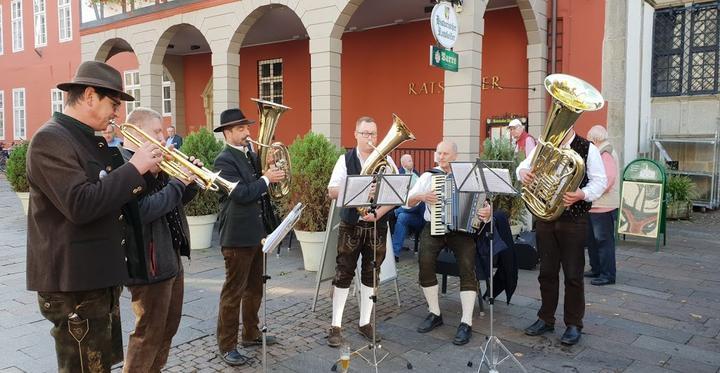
[
  {"x": 614, "y": 69},
  {"x": 537, "y": 70},
  {"x": 150, "y": 82},
  {"x": 226, "y": 84},
  {"x": 176, "y": 69},
  {"x": 461, "y": 117},
  {"x": 325, "y": 86}
]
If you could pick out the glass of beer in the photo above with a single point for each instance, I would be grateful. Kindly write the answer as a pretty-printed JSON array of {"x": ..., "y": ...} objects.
[{"x": 344, "y": 358}]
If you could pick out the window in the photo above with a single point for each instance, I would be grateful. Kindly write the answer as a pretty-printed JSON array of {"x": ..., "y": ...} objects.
[
  {"x": 1, "y": 31},
  {"x": 64, "y": 20},
  {"x": 40, "y": 23},
  {"x": 686, "y": 50},
  {"x": 17, "y": 25},
  {"x": 270, "y": 80},
  {"x": 132, "y": 87},
  {"x": 558, "y": 45},
  {"x": 19, "y": 113},
  {"x": 2, "y": 115},
  {"x": 56, "y": 101},
  {"x": 166, "y": 95}
]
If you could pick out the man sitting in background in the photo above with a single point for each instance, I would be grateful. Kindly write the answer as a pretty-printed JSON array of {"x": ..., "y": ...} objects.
[{"x": 407, "y": 219}]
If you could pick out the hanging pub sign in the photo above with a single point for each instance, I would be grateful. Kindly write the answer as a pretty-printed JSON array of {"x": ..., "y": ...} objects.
[{"x": 444, "y": 24}]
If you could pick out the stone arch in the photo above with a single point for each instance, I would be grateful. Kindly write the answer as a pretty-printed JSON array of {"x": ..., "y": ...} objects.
[
  {"x": 344, "y": 15},
  {"x": 111, "y": 47},
  {"x": 532, "y": 12},
  {"x": 255, "y": 11}
]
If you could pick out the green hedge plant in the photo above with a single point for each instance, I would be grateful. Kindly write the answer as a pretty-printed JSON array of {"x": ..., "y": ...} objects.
[
  {"x": 501, "y": 149},
  {"x": 16, "y": 168},
  {"x": 204, "y": 146},
  {"x": 313, "y": 157}
]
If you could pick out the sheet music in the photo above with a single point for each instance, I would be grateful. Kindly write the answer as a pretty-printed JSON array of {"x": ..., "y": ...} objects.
[
  {"x": 394, "y": 190},
  {"x": 497, "y": 179},
  {"x": 275, "y": 237},
  {"x": 356, "y": 191}
]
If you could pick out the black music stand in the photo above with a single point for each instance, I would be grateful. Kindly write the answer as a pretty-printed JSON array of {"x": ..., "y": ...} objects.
[
  {"x": 479, "y": 178},
  {"x": 272, "y": 241},
  {"x": 390, "y": 190}
]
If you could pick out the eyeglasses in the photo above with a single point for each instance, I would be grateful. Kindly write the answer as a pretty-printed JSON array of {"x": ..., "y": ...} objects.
[
  {"x": 367, "y": 134},
  {"x": 115, "y": 102}
]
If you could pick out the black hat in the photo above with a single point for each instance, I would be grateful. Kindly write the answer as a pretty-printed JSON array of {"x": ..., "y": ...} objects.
[
  {"x": 232, "y": 117},
  {"x": 97, "y": 74}
]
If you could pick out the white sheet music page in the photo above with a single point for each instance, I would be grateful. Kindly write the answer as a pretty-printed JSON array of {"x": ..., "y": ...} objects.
[
  {"x": 394, "y": 190},
  {"x": 355, "y": 192}
]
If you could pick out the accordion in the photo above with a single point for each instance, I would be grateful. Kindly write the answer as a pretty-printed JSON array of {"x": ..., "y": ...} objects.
[{"x": 454, "y": 211}]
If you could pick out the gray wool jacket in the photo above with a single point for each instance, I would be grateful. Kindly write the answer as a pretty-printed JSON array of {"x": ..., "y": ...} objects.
[{"x": 163, "y": 261}]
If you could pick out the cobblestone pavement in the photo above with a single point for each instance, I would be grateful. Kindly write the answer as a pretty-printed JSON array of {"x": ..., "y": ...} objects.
[{"x": 663, "y": 315}]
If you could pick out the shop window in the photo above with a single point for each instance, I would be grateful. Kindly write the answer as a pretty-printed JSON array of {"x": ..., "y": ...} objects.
[
  {"x": 2, "y": 115},
  {"x": 65, "y": 20},
  {"x": 56, "y": 100},
  {"x": 16, "y": 21},
  {"x": 132, "y": 87},
  {"x": 703, "y": 50},
  {"x": 40, "y": 23},
  {"x": 19, "y": 113},
  {"x": 166, "y": 95},
  {"x": 270, "y": 80}
]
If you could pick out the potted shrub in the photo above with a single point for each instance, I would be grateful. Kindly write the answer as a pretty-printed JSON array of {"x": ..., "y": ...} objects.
[
  {"x": 17, "y": 173},
  {"x": 502, "y": 149},
  {"x": 680, "y": 191},
  {"x": 313, "y": 157},
  {"x": 202, "y": 210}
]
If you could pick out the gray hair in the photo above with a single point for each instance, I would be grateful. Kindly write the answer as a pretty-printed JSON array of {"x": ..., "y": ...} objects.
[
  {"x": 142, "y": 115},
  {"x": 597, "y": 133},
  {"x": 405, "y": 156},
  {"x": 452, "y": 144}
]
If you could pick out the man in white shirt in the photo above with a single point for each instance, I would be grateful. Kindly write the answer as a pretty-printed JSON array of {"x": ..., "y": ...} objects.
[
  {"x": 524, "y": 143},
  {"x": 561, "y": 243},
  {"x": 462, "y": 244},
  {"x": 356, "y": 236}
]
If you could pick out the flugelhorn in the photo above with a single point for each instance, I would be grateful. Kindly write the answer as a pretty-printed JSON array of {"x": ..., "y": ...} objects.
[{"x": 175, "y": 162}]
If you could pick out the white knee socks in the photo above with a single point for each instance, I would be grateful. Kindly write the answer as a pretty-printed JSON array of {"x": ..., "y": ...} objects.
[
  {"x": 431, "y": 296},
  {"x": 467, "y": 300},
  {"x": 366, "y": 304},
  {"x": 339, "y": 298}
]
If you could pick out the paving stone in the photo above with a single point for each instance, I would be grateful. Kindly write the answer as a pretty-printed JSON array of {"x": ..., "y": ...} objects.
[{"x": 679, "y": 350}]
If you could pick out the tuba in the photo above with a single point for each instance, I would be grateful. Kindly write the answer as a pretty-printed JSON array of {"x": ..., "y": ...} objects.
[
  {"x": 269, "y": 114},
  {"x": 559, "y": 170},
  {"x": 377, "y": 162}
]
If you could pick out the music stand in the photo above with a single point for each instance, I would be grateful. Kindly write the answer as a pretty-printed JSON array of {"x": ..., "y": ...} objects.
[
  {"x": 477, "y": 177},
  {"x": 272, "y": 241},
  {"x": 390, "y": 190}
]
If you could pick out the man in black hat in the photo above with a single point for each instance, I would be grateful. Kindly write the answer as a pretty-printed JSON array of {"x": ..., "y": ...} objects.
[
  {"x": 248, "y": 206},
  {"x": 83, "y": 225}
]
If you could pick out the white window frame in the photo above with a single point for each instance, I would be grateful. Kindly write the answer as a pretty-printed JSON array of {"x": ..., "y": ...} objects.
[
  {"x": 2, "y": 49},
  {"x": 19, "y": 115},
  {"x": 167, "y": 99},
  {"x": 132, "y": 87},
  {"x": 39, "y": 7},
  {"x": 65, "y": 20},
  {"x": 272, "y": 79},
  {"x": 2, "y": 114},
  {"x": 16, "y": 23},
  {"x": 57, "y": 100}
]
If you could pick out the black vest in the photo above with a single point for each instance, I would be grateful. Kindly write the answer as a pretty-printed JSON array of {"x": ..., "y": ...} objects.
[
  {"x": 580, "y": 208},
  {"x": 352, "y": 164}
]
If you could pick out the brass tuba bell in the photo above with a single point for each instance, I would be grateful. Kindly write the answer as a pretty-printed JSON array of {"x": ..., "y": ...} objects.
[
  {"x": 269, "y": 114},
  {"x": 559, "y": 170},
  {"x": 377, "y": 162}
]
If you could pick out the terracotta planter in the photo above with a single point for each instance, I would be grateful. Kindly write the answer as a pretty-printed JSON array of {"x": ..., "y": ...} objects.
[
  {"x": 201, "y": 229},
  {"x": 311, "y": 244}
]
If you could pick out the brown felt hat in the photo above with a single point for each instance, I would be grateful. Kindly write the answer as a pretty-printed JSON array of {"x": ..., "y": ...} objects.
[{"x": 97, "y": 74}]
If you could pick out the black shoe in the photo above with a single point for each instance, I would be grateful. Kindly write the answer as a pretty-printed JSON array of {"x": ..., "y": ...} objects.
[
  {"x": 600, "y": 281},
  {"x": 539, "y": 328},
  {"x": 571, "y": 336},
  {"x": 431, "y": 322},
  {"x": 591, "y": 274},
  {"x": 233, "y": 358},
  {"x": 397, "y": 259},
  {"x": 269, "y": 340},
  {"x": 463, "y": 334}
]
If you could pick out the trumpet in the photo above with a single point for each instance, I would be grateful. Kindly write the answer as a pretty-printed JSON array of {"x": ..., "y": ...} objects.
[{"x": 175, "y": 162}]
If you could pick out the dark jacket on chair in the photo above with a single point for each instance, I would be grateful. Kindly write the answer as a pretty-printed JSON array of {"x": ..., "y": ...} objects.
[{"x": 246, "y": 215}]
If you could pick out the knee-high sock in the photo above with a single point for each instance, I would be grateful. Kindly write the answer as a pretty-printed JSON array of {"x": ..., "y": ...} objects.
[
  {"x": 467, "y": 300},
  {"x": 339, "y": 298},
  {"x": 431, "y": 296},
  {"x": 366, "y": 304}
]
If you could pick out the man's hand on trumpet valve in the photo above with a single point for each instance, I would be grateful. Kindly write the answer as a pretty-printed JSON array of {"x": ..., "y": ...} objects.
[
  {"x": 274, "y": 174},
  {"x": 146, "y": 157},
  {"x": 191, "y": 176}
]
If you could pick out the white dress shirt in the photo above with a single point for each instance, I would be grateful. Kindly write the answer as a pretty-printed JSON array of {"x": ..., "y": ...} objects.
[
  {"x": 339, "y": 173},
  {"x": 597, "y": 181}
]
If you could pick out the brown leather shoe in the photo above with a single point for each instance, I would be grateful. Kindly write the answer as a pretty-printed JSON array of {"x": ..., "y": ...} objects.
[
  {"x": 335, "y": 338},
  {"x": 367, "y": 332}
]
